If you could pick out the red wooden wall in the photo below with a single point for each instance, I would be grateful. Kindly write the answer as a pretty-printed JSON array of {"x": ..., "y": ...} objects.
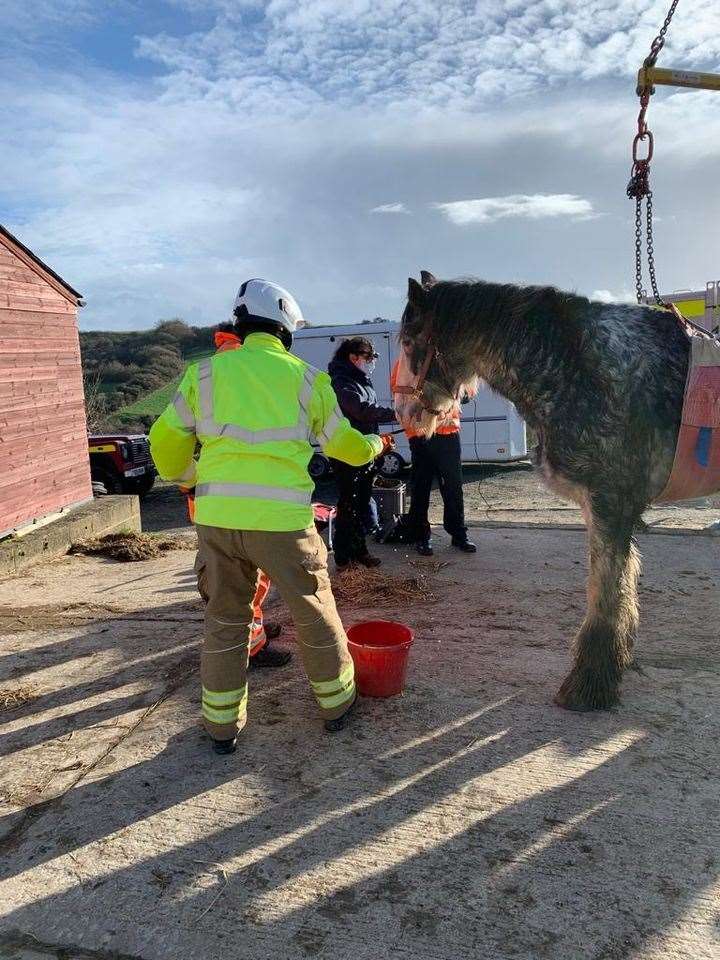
[{"x": 44, "y": 463}]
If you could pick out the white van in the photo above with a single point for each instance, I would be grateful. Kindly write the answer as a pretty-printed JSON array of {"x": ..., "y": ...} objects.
[{"x": 492, "y": 429}]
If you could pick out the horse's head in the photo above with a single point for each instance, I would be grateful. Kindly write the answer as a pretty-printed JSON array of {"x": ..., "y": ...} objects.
[{"x": 443, "y": 373}]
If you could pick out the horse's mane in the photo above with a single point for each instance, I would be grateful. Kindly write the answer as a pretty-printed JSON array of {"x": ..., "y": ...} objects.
[{"x": 457, "y": 303}]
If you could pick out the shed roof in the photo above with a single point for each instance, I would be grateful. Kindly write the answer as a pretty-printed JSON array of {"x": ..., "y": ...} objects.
[{"x": 5, "y": 235}]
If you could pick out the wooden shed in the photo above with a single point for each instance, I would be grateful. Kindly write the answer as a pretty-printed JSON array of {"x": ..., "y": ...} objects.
[{"x": 44, "y": 463}]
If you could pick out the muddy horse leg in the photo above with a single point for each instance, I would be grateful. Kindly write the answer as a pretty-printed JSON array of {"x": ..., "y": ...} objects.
[{"x": 603, "y": 647}]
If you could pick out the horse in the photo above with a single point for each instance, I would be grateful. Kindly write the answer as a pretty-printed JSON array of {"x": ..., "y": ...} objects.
[{"x": 602, "y": 387}]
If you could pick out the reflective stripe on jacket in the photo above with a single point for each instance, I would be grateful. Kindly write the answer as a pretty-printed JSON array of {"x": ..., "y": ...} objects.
[
  {"x": 253, "y": 412},
  {"x": 450, "y": 423}
]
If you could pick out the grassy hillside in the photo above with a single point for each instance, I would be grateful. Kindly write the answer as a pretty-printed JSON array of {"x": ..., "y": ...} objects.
[
  {"x": 152, "y": 404},
  {"x": 130, "y": 377}
]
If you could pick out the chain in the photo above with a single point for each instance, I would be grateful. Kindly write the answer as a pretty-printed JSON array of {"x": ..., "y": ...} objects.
[
  {"x": 659, "y": 41},
  {"x": 650, "y": 250},
  {"x": 639, "y": 186},
  {"x": 638, "y": 250}
]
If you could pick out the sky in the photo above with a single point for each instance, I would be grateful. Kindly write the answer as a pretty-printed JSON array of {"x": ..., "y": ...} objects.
[{"x": 156, "y": 153}]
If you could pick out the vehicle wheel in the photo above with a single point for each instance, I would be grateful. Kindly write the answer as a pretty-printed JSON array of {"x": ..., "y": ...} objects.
[
  {"x": 319, "y": 467},
  {"x": 391, "y": 465},
  {"x": 140, "y": 486},
  {"x": 111, "y": 481}
]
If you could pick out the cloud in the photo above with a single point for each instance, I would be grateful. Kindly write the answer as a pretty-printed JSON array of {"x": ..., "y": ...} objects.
[
  {"x": 390, "y": 208},
  {"x": 535, "y": 207},
  {"x": 254, "y": 137},
  {"x": 607, "y": 296},
  {"x": 411, "y": 52}
]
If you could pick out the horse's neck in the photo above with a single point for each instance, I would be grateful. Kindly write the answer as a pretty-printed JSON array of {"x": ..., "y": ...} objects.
[{"x": 517, "y": 361}]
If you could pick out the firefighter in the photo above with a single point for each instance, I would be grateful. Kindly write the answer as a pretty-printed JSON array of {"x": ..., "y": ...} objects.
[
  {"x": 253, "y": 411},
  {"x": 261, "y": 632}
]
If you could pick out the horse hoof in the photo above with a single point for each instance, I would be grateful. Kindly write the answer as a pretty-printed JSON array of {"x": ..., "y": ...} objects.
[
  {"x": 584, "y": 695},
  {"x": 571, "y": 705}
]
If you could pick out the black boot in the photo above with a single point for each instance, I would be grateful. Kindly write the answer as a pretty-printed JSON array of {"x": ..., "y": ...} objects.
[
  {"x": 272, "y": 630},
  {"x": 224, "y": 747},
  {"x": 424, "y": 548},
  {"x": 462, "y": 543},
  {"x": 368, "y": 560},
  {"x": 267, "y": 659},
  {"x": 339, "y": 723}
]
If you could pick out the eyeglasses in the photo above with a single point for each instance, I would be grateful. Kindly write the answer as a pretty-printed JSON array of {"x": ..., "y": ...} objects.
[{"x": 370, "y": 356}]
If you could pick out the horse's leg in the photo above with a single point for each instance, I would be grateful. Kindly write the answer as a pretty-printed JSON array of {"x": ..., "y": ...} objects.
[{"x": 603, "y": 647}]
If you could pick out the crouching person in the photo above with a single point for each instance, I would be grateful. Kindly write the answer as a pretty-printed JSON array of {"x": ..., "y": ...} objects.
[{"x": 252, "y": 411}]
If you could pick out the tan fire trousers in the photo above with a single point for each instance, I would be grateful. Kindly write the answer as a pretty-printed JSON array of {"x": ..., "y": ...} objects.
[{"x": 296, "y": 562}]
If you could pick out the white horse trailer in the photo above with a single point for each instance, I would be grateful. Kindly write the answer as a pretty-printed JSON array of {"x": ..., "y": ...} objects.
[{"x": 492, "y": 430}]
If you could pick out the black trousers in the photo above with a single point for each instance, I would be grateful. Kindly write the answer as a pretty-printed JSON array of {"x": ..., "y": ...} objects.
[
  {"x": 438, "y": 456},
  {"x": 354, "y": 492}
]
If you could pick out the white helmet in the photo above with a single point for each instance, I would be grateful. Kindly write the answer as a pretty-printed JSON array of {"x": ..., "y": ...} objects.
[{"x": 263, "y": 300}]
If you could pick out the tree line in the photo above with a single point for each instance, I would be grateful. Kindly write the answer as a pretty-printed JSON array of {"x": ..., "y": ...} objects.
[{"x": 120, "y": 368}]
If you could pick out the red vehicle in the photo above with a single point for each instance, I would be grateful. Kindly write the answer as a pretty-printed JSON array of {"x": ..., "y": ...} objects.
[{"x": 122, "y": 462}]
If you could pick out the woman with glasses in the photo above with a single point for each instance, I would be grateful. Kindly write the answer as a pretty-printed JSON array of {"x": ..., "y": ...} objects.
[{"x": 350, "y": 370}]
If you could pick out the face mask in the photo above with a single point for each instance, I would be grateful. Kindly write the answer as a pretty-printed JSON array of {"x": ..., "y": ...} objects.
[{"x": 367, "y": 366}]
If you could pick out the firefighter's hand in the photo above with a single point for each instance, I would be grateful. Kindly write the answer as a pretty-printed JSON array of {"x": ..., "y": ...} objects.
[
  {"x": 388, "y": 442},
  {"x": 189, "y": 493}
]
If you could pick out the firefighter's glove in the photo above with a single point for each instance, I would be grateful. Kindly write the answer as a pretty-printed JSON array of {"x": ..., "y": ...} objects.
[{"x": 388, "y": 442}]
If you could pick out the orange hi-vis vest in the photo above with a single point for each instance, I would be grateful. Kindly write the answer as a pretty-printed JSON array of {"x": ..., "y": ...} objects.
[
  {"x": 402, "y": 376},
  {"x": 226, "y": 341}
]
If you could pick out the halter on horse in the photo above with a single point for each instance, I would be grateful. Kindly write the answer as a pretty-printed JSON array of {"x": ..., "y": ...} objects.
[{"x": 416, "y": 392}]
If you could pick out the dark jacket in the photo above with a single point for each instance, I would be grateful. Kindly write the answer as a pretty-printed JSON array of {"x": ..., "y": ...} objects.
[{"x": 357, "y": 398}]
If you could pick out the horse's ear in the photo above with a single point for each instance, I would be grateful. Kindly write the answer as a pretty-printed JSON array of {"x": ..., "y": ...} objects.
[
  {"x": 416, "y": 294},
  {"x": 427, "y": 279}
]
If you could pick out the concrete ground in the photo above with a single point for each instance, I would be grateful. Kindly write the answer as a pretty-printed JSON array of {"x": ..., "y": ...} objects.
[
  {"x": 469, "y": 819},
  {"x": 495, "y": 495}
]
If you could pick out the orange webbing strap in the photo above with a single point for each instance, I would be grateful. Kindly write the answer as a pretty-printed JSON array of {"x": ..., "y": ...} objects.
[{"x": 261, "y": 591}]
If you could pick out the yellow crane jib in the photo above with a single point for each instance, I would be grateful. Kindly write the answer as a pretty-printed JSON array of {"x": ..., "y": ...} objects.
[{"x": 649, "y": 76}]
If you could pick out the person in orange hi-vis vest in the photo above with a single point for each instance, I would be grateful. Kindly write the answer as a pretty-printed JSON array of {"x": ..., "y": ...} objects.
[
  {"x": 437, "y": 456},
  {"x": 261, "y": 632}
]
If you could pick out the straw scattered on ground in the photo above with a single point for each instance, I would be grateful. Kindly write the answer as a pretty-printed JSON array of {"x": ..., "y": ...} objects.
[
  {"x": 15, "y": 696},
  {"x": 129, "y": 547},
  {"x": 369, "y": 588}
]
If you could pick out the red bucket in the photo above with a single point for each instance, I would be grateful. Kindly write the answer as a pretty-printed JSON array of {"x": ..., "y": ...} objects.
[{"x": 380, "y": 650}]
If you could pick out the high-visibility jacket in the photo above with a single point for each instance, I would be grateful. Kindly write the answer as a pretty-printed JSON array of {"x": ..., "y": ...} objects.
[
  {"x": 253, "y": 411},
  {"x": 402, "y": 376}
]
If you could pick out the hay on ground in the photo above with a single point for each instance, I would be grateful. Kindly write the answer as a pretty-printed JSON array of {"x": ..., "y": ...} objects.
[
  {"x": 132, "y": 546},
  {"x": 15, "y": 696},
  {"x": 368, "y": 588}
]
